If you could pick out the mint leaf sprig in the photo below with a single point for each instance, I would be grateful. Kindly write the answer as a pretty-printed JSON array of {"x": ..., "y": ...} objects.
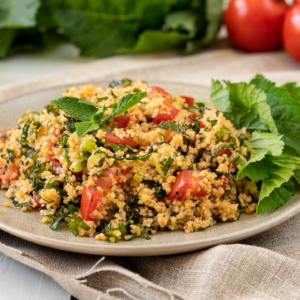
[{"x": 90, "y": 114}]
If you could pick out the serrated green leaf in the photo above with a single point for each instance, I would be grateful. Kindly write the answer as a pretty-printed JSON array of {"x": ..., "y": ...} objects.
[
  {"x": 124, "y": 104},
  {"x": 283, "y": 169},
  {"x": 240, "y": 117},
  {"x": 259, "y": 166},
  {"x": 278, "y": 197},
  {"x": 246, "y": 96},
  {"x": 74, "y": 108},
  {"x": 18, "y": 13},
  {"x": 83, "y": 128},
  {"x": 285, "y": 111},
  {"x": 293, "y": 89}
]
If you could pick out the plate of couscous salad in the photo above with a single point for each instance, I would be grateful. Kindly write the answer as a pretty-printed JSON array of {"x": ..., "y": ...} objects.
[{"x": 134, "y": 168}]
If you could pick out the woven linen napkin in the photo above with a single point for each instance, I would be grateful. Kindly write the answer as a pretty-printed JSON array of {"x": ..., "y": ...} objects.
[{"x": 263, "y": 267}]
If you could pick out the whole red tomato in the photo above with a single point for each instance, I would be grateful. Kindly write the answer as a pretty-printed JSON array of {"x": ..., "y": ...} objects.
[
  {"x": 255, "y": 25},
  {"x": 291, "y": 32}
]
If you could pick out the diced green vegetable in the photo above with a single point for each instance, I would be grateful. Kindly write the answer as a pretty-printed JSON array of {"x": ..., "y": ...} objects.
[
  {"x": 138, "y": 178},
  {"x": 96, "y": 156},
  {"x": 79, "y": 164},
  {"x": 48, "y": 168},
  {"x": 88, "y": 146},
  {"x": 157, "y": 164}
]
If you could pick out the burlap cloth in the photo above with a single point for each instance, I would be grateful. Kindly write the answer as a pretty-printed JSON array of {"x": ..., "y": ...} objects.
[{"x": 264, "y": 267}]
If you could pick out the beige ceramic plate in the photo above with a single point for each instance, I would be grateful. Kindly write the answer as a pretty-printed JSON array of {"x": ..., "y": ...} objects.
[{"x": 29, "y": 227}]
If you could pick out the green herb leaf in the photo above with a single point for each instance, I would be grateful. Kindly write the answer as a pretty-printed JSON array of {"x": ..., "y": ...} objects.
[
  {"x": 83, "y": 128},
  {"x": 283, "y": 169},
  {"x": 144, "y": 232},
  {"x": 285, "y": 111},
  {"x": 294, "y": 90},
  {"x": 64, "y": 141},
  {"x": 171, "y": 125},
  {"x": 73, "y": 107},
  {"x": 9, "y": 158},
  {"x": 260, "y": 164},
  {"x": 124, "y": 104},
  {"x": 158, "y": 190},
  {"x": 168, "y": 165},
  {"x": 73, "y": 209},
  {"x": 10, "y": 13},
  {"x": 25, "y": 204},
  {"x": 278, "y": 197},
  {"x": 124, "y": 81},
  {"x": 243, "y": 104}
]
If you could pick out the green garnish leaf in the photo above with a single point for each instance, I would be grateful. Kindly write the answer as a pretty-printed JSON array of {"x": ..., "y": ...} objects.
[
  {"x": 243, "y": 104},
  {"x": 124, "y": 104},
  {"x": 260, "y": 164},
  {"x": 9, "y": 158},
  {"x": 283, "y": 169},
  {"x": 285, "y": 110},
  {"x": 144, "y": 232},
  {"x": 124, "y": 81},
  {"x": 73, "y": 107},
  {"x": 171, "y": 125},
  {"x": 73, "y": 209},
  {"x": 167, "y": 166},
  {"x": 83, "y": 128},
  {"x": 278, "y": 197},
  {"x": 64, "y": 141},
  {"x": 25, "y": 204}
]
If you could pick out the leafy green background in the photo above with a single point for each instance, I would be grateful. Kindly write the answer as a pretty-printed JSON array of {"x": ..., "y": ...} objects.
[{"x": 109, "y": 27}]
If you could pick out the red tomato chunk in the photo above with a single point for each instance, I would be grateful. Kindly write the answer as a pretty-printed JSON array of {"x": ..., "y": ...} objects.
[
  {"x": 47, "y": 150},
  {"x": 3, "y": 136},
  {"x": 36, "y": 199},
  {"x": 112, "y": 177},
  {"x": 188, "y": 100},
  {"x": 168, "y": 111},
  {"x": 187, "y": 184},
  {"x": 11, "y": 173},
  {"x": 90, "y": 201},
  {"x": 113, "y": 138},
  {"x": 121, "y": 122}
]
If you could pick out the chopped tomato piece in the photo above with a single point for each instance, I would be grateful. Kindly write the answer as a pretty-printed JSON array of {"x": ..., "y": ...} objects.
[
  {"x": 3, "y": 136},
  {"x": 187, "y": 184},
  {"x": 188, "y": 100},
  {"x": 168, "y": 136},
  {"x": 112, "y": 176},
  {"x": 47, "y": 149},
  {"x": 36, "y": 199},
  {"x": 11, "y": 173},
  {"x": 168, "y": 111},
  {"x": 192, "y": 121},
  {"x": 90, "y": 201},
  {"x": 155, "y": 90},
  {"x": 224, "y": 151},
  {"x": 121, "y": 122},
  {"x": 113, "y": 138},
  {"x": 55, "y": 165},
  {"x": 225, "y": 180}
]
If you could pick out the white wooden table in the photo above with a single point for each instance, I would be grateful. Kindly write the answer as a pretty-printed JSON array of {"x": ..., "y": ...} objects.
[{"x": 17, "y": 281}]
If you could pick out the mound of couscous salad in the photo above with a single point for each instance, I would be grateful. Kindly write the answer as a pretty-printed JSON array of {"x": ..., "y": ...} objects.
[{"x": 126, "y": 162}]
